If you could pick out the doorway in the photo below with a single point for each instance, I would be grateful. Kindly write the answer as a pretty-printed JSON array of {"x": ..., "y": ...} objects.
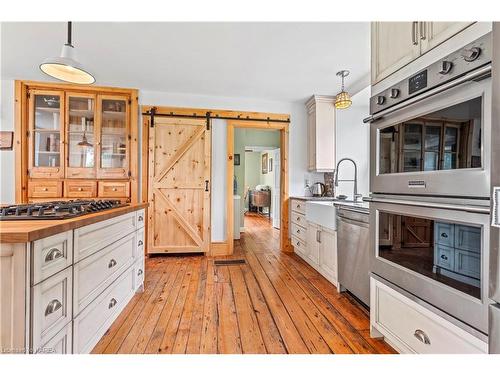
[{"x": 257, "y": 179}]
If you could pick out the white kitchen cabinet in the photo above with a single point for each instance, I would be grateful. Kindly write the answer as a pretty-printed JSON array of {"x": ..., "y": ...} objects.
[
  {"x": 435, "y": 33},
  {"x": 393, "y": 46},
  {"x": 321, "y": 133},
  {"x": 396, "y": 44},
  {"x": 328, "y": 254},
  {"x": 313, "y": 244},
  {"x": 421, "y": 330}
]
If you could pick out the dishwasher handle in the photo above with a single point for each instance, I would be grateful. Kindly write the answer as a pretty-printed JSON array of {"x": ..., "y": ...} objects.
[{"x": 354, "y": 222}]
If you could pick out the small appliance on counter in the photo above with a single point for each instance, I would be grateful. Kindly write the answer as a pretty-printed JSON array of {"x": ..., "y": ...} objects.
[{"x": 318, "y": 189}]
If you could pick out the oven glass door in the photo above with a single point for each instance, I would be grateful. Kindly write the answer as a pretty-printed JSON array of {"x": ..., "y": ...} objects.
[
  {"x": 441, "y": 250},
  {"x": 438, "y": 146},
  {"x": 437, "y": 253},
  {"x": 449, "y": 138}
]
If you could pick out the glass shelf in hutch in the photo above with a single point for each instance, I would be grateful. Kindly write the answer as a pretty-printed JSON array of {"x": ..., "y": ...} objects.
[
  {"x": 81, "y": 135},
  {"x": 46, "y": 133},
  {"x": 114, "y": 137}
]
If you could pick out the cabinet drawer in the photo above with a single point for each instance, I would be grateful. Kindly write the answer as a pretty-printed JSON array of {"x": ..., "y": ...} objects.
[
  {"x": 299, "y": 232},
  {"x": 299, "y": 245},
  {"x": 114, "y": 189},
  {"x": 80, "y": 189},
  {"x": 51, "y": 255},
  {"x": 96, "y": 272},
  {"x": 51, "y": 310},
  {"x": 445, "y": 257},
  {"x": 92, "y": 238},
  {"x": 96, "y": 318},
  {"x": 139, "y": 246},
  {"x": 298, "y": 205},
  {"x": 421, "y": 330},
  {"x": 44, "y": 189},
  {"x": 444, "y": 233},
  {"x": 467, "y": 263},
  {"x": 61, "y": 343},
  {"x": 141, "y": 218},
  {"x": 299, "y": 219},
  {"x": 468, "y": 238},
  {"x": 139, "y": 271}
]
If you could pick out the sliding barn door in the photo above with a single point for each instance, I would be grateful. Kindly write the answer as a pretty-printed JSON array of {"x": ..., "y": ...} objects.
[{"x": 179, "y": 186}]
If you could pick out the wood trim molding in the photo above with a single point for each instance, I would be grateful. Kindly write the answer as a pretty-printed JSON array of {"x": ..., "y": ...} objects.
[
  {"x": 216, "y": 112},
  {"x": 218, "y": 249},
  {"x": 285, "y": 244}
]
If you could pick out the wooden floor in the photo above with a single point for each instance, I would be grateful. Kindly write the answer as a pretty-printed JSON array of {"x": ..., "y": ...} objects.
[{"x": 275, "y": 303}]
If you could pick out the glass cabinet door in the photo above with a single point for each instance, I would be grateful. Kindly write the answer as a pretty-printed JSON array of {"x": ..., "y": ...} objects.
[
  {"x": 46, "y": 124},
  {"x": 113, "y": 137},
  {"x": 81, "y": 139}
]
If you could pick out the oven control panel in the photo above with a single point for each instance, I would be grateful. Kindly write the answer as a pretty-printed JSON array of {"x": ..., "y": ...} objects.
[{"x": 472, "y": 56}]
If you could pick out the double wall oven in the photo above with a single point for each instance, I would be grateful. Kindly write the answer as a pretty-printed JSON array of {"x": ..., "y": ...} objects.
[{"x": 431, "y": 147}]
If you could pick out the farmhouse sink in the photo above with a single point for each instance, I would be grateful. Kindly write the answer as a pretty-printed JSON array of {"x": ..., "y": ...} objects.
[{"x": 322, "y": 213}]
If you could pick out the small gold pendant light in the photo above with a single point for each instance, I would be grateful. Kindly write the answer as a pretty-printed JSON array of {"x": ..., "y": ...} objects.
[{"x": 343, "y": 99}]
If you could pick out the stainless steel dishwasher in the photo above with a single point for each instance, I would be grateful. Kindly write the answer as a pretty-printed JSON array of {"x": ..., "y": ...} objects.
[{"x": 353, "y": 252}]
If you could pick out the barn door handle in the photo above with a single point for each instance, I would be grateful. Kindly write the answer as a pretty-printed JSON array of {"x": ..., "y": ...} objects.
[{"x": 206, "y": 185}]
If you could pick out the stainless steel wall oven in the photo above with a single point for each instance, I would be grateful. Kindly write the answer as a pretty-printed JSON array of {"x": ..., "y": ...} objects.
[
  {"x": 437, "y": 251},
  {"x": 430, "y": 133}
]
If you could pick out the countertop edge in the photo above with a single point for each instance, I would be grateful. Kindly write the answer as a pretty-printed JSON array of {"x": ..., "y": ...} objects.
[
  {"x": 312, "y": 198},
  {"x": 48, "y": 228}
]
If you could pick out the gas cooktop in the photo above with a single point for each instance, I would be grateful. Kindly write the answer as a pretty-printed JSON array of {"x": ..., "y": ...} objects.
[{"x": 56, "y": 210}]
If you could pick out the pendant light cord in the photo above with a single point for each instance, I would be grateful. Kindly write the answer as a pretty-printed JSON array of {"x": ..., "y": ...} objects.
[{"x": 69, "y": 34}]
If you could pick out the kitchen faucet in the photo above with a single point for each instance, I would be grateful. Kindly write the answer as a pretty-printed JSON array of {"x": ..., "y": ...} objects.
[{"x": 355, "y": 195}]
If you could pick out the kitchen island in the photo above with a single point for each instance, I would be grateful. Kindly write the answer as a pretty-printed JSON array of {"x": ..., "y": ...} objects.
[{"x": 64, "y": 282}]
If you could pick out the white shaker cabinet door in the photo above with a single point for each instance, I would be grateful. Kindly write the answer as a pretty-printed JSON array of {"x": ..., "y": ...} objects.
[{"x": 394, "y": 45}]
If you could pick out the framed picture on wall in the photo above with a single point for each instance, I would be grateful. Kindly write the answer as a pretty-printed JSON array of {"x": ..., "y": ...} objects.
[
  {"x": 270, "y": 164},
  {"x": 236, "y": 159},
  {"x": 6, "y": 140},
  {"x": 264, "y": 163}
]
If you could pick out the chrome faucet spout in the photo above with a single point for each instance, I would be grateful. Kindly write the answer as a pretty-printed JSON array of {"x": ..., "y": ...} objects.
[{"x": 356, "y": 196}]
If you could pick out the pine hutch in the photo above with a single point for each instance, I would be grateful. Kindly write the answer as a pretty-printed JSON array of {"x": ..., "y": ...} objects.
[{"x": 75, "y": 141}]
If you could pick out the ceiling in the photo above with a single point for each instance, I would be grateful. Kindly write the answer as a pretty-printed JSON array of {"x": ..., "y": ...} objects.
[{"x": 275, "y": 61}]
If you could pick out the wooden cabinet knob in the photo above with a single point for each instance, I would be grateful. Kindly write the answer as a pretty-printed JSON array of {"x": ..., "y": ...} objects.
[
  {"x": 45, "y": 189},
  {"x": 80, "y": 189},
  {"x": 114, "y": 189}
]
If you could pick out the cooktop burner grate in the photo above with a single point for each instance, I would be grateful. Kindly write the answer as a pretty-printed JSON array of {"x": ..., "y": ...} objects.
[{"x": 56, "y": 210}]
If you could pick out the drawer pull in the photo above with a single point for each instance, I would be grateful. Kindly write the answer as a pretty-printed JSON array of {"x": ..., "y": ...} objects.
[
  {"x": 53, "y": 254},
  {"x": 45, "y": 189},
  {"x": 422, "y": 337},
  {"x": 444, "y": 257},
  {"x": 114, "y": 189},
  {"x": 298, "y": 218},
  {"x": 140, "y": 243},
  {"x": 112, "y": 263},
  {"x": 298, "y": 206},
  {"x": 80, "y": 189},
  {"x": 112, "y": 303},
  {"x": 444, "y": 235},
  {"x": 139, "y": 273},
  {"x": 318, "y": 236},
  {"x": 298, "y": 244},
  {"x": 141, "y": 218},
  {"x": 298, "y": 230},
  {"x": 52, "y": 307}
]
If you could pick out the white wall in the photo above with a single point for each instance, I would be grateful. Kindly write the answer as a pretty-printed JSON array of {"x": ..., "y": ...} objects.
[
  {"x": 7, "y": 175},
  {"x": 353, "y": 141}
]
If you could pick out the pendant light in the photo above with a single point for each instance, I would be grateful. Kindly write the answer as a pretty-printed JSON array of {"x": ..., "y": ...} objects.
[
  {"x": 65, "y": 67},
  {"x": 84, "y": 142},
  {"x": 343, "y": 99}
]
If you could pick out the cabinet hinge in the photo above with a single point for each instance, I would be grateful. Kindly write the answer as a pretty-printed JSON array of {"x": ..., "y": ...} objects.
[{"x": 129, "y": 174}]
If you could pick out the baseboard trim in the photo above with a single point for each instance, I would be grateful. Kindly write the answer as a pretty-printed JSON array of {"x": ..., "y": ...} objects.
[{"x": 219, "y": 249}]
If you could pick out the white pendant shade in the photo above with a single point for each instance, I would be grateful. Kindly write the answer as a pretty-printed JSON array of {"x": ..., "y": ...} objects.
[{"x": 65, "y": 67}]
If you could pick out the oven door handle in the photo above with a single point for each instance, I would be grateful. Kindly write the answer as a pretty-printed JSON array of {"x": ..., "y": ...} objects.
[
  {"x": 478, "y": 73},
  {"x": 447, "y": 206}
]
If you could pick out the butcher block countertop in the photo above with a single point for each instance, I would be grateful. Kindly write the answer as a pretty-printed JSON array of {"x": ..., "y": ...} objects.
[{"x": 21, "y": 231}]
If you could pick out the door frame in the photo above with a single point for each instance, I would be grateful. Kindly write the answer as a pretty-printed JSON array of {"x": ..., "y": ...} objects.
[{"x": 283, "y": 128}]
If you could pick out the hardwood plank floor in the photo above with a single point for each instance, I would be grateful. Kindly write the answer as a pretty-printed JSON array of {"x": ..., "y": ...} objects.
[{"x": 273, "y": 303}]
